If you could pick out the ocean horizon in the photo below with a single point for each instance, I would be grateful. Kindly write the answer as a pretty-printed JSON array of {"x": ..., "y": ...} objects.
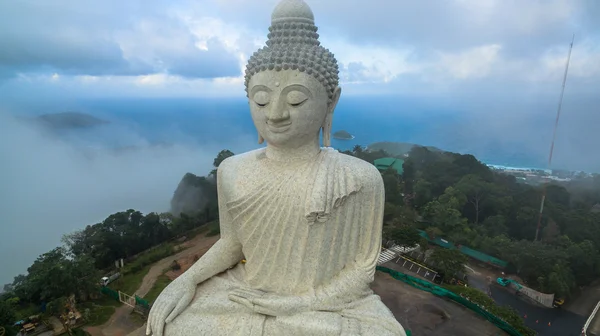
[{"x": 227, "y": 122}]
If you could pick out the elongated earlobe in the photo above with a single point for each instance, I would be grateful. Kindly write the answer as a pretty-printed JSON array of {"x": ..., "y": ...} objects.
[
  {"x": 327, "y": 124},
  {"x": 326, "y": 129},
  {"x": 260, "y": 139},
  {"x": 326, "y": 138}
]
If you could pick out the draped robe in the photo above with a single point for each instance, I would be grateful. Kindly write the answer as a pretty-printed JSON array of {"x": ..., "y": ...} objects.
[{"x": 307, "y": 228}]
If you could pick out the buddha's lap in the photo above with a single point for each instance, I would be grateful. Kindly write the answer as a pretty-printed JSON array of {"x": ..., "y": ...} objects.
[
  {"x": 212, "y": 313},
  {"x": 345, "y": 323}
]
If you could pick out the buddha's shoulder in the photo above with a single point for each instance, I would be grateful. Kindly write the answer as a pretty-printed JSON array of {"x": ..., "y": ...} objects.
[
  {"x": 360, "y": 169},
  {"x": 239, "y": 161}
]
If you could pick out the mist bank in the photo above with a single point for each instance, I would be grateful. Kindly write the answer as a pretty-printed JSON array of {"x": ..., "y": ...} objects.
[{"x": 54, "y": 185}]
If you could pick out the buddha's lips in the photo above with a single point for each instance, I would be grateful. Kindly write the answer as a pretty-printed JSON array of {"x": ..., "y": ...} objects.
[{"x": 279, "y": 127}]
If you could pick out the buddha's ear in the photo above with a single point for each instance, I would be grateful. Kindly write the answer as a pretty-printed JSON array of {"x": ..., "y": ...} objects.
[
  {"x": 326, "y": 128},
  {"x": 334, "y": 99}
]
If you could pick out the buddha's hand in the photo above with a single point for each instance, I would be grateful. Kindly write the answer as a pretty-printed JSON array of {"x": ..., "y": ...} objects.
[
  {"x": 270, "y": 303},
  {"x": 170, "y": 303}
]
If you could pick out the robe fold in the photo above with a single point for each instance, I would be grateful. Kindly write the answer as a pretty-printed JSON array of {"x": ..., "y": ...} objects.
[{"x": 287, "y": 219}]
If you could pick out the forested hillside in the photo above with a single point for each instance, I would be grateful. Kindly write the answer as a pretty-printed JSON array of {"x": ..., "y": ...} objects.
[{"x": 459, "y": 198}]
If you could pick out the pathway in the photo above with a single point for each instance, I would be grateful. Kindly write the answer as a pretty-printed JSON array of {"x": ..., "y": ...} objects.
[{"x": 120, "y": 323}]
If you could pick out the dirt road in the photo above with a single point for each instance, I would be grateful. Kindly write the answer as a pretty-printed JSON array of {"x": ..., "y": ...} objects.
[
  {"x": 197, "y": 246},
  {"x": 120, "y": 323}
]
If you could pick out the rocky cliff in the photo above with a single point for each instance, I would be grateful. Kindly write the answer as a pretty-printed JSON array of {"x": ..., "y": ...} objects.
[{"x": 193, "y": 195}]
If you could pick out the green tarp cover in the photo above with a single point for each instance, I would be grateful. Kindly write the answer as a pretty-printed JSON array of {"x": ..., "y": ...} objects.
[{"x": 466, "y": 250}]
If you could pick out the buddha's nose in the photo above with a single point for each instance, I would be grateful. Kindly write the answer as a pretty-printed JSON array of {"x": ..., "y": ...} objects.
[{"x": 277, "y": 112}]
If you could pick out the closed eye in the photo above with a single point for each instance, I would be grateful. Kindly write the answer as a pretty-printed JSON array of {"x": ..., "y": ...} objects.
[
  {"x": 296, "y": 98},
  {"x": 261, "y": 98}
]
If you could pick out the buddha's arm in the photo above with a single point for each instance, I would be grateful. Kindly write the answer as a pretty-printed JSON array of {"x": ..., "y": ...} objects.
[
  {"x": 355, "y": 278},
  {"x": 227, "y": 251}
]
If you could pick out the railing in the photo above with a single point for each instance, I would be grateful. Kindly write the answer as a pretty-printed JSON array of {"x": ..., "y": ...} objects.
[
  {"x": 589, "y": 320},
  {"x": 386, "y": 255}
]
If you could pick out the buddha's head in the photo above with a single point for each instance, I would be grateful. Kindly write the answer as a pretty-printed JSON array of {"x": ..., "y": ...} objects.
[{"x": 292, "y": 83}]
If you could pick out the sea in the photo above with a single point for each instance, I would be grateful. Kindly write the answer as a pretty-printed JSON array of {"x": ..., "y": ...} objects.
[{"x": 227, "y": 123}]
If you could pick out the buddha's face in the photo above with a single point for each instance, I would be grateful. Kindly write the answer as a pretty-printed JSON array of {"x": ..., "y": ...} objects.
[{"x": 288, "y": 107}]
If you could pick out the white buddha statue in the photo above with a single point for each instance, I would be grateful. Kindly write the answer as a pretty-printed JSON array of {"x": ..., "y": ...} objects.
[{"x": 307, "y": 218}]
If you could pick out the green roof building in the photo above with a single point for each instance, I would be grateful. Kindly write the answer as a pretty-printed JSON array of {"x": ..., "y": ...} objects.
[{"x": 385, "y": 163}]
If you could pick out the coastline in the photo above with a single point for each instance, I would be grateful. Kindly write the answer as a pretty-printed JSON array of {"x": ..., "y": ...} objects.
[
  {"x": 346, "y": 139},
  {"x": 499, "y": 166}
]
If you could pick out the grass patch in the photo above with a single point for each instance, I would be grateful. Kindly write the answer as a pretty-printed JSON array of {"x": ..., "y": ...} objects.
[
  {"x": 129, "y": 282},
  {"x": 100, "y": 310},
  {"x": 158, "y": 287},
  {"x": 194, "y": 232},
  {"x": 213, "y": 229},
  {"x": 150, "y": 257},
  {"x": 136, "y": 319}
]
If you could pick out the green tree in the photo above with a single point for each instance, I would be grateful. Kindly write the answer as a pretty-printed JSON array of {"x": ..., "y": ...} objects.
[
  {"x": 433, "y": 232},
  {"x": 444, "y": 217},
  {"x": 357, "y": 150},
  {"x": 584, "y": 260},
  {"x": 55, "y": 274},
  {"x": 550, "y": 232},
  {"x": 224, "y": 154},
  {"x": 404, "y": 235},
  {"x": 408, "y": 176},
  {"x": 391, "y": 182},
  {"x": 422, "y": 193},
  {"x": 449, "y": 262},
  {"x": 559, "y": 281},
  {"x": 476, "y": 190},
  {"x": 7, "y": 316}
]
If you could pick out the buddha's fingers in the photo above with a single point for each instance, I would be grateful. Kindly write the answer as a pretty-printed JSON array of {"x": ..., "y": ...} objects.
[
  {"x": 181, "y": 305},
  {"x": 241, "y": 300},
  {"x": 159, "y": 319},
  {"x": 266, "y": 311},
  {"x": 248, "y": 293},
  {"x": 151, "y": 318}
]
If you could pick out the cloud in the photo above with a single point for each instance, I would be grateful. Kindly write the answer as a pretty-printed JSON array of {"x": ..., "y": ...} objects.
[
  {"x": 51, "y": 186},
  {"x": 438, "y": 45},
  {"x": 105, "y": 38},
  {"x": 472, "y": 63}
]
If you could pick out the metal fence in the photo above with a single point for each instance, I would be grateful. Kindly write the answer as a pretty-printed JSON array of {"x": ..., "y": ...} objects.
[{"x": 417, "y": 268}]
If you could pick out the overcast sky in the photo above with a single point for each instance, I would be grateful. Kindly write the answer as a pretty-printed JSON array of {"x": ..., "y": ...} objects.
[
  {"x": 500, "y": 62},
  {"x": 196, "y": 48}
]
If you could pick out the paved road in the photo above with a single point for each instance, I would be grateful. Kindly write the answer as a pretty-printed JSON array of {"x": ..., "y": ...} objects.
[{"x": 562, "y": 322}]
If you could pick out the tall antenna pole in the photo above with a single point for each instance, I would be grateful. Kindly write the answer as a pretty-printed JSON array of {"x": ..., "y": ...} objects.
[{"x": 562, "y": 92}]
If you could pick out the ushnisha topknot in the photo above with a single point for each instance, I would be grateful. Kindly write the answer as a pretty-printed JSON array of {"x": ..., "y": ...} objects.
[{"x": 293, "y": 43}]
